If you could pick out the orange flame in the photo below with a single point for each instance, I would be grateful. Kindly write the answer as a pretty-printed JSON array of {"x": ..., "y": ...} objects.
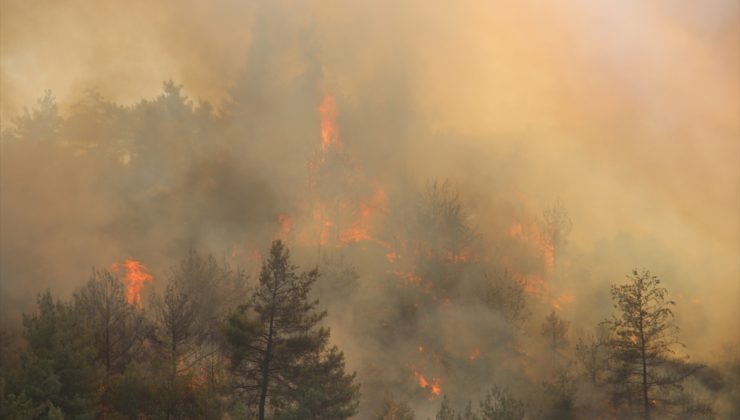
[
  {"x": 532, "y": 231},
  {"x": 329, "y": 128},
  {"x": 561, "y": 300},
  {"x": 365, "y": 218},
  {"x": 433, "y": 385},
  {"x": 136, "y": 275}
]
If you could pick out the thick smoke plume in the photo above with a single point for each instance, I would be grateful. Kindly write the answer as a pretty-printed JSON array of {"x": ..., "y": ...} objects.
[{"x": 417, "y": 153}]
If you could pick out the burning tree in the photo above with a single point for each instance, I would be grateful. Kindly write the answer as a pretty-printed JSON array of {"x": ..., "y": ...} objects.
[
  {"x": 189, "y": 318},
  {"x": 280, "y": 357},
  {"x": 641, "y": 366},
  {"x": 555, "y": 227},
  {"x": 116, "y": 325}
]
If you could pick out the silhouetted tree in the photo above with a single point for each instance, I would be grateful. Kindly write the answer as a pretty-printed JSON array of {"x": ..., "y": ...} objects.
[
  {"x": 641, "y": 361},
  {"x": 280, "y": 358}
]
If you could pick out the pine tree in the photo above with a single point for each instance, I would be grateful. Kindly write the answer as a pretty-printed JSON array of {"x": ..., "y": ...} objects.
[
  {"x": 279, "y": 352},
  {"x": 59, "y": 375},
  {"x": 641, "y": 363}
]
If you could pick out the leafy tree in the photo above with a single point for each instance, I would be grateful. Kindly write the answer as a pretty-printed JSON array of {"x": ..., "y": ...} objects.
[
  {"x": 641, "y": 363},
  {"x": 14, "y": 406},
  {"x": 279, "y": 353},
  {"x": 59, "y": 374}
]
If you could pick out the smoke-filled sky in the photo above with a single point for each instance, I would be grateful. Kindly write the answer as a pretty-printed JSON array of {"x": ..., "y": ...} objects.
[{"x": 626, "y": 111}]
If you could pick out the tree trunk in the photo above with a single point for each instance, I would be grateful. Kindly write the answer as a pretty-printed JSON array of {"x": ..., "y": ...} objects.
[
  {"x": 268, "y": 355},
  {"x": 646, "y": 400}
]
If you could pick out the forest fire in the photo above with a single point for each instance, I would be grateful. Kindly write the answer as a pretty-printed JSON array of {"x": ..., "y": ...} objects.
[
  {"x": 433, "y": 385},
  {"x": 342, "y": 229},
  {"x": 531, "y": 232},
  {"x": 136, "y": 276},
  {"x": 365, "y": 218}
]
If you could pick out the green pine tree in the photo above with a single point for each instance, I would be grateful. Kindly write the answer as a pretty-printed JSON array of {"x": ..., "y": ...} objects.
[{"x": 281, "y": 362}]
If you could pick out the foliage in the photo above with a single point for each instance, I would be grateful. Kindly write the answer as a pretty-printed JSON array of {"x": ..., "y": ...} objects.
[
  {"x": 642, "y": 369},
  {"x": 280, "y": 359},
  {"x": 58, "y": 368},
  {"x": 498, "y": 404}
]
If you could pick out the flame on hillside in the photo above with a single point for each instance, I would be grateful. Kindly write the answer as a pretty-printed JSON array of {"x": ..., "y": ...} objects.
[
  {"x": 532, "y": 233},
  {"x": 136, "y": 275},
  {"x": 432, "y": 385},
  {"x": 329, "y": 128}
]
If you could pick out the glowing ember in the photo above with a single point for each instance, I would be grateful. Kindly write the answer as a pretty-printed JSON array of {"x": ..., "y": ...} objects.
[
  {"x": 561, "y": 300},
  {"x": 136, "y": 275},
  {"x": 365, "y": 218},
  {"x": 532, "y": 232},
  {"x": 409, "y": 278},
  {"x": 421, "y": 349},
  {"x": 433, "y": 385}
]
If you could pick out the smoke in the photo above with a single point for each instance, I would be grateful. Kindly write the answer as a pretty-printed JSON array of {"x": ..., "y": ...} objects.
[{"x": 624, "y": 111}]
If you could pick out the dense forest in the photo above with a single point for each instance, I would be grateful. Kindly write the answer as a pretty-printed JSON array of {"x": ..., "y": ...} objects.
[
  {"x": 376, "y": 210},
  {"x": 443, "y": 319}
]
